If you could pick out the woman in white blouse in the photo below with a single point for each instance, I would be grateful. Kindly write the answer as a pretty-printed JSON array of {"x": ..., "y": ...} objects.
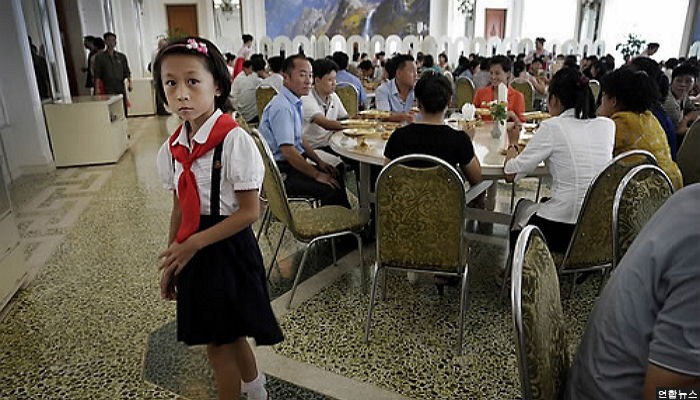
[{"x": 574, "y": 145}]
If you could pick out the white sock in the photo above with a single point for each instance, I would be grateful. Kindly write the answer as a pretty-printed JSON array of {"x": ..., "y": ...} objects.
[{"x": 255, "y": 389}]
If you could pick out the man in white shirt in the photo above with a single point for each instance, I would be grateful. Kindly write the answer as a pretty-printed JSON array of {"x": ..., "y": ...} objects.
[
  {"x": 275, "y": 78},
  {"x": 322, "y": 108},
  {"x": 244, "y": 94}
]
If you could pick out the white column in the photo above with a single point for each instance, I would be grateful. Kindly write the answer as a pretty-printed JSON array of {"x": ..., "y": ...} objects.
[
  {"x": 25, "y": 140},
  {"x": 439, "y": 15},
  {"x": 62, "y": 86},
  {"x": 254, "y": 21}
]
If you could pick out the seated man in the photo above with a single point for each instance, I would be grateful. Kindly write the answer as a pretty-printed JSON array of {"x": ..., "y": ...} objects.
[
  {"x": 281, "y": 127},
  {"x": 343, "y": 76},
  {"x": 245, "y": 98},
  {"x": 644, "y": 333},
  {"x": 396, "y": 95},
  {"x": 275, "y": 78},
  {"x": 499, "y": 70},
  {"x": 322, "y": 108}
]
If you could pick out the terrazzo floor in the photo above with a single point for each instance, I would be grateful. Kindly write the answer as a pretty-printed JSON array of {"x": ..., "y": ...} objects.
[{"x": 89, "y": 323}]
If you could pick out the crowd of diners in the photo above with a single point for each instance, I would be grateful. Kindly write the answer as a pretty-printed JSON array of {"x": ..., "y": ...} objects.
[{"x": 643, "y": 104}]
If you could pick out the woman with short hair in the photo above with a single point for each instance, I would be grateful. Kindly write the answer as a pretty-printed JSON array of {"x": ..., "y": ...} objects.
[{"x": 627, "y": 97}]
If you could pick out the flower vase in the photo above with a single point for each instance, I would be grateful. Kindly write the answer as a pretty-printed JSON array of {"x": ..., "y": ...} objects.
[{"x": 499, "y": 129}]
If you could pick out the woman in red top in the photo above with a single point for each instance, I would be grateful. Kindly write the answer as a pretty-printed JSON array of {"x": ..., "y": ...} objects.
[{"x": 500, "y": 71}]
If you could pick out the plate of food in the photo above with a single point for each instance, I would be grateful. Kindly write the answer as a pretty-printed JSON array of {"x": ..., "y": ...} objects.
[
  {"x": 375, "y": 113},
  {"x": 358, "y": 122},
  {"x": 355, "y": 132},
  {"x": 483, "y": 111},
  {"x": 529, "y": 127},
  {"x": 536, "y": 115}
]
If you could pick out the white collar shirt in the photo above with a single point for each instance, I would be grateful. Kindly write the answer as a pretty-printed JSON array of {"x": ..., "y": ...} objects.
[
  {"x": 312, "y": 106},
  {"x": 241, "y": 166},
  {"x": 574, "y": 151}
]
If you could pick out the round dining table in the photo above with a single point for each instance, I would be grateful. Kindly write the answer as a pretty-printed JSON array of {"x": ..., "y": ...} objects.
[{"x": 489, "y": 151}]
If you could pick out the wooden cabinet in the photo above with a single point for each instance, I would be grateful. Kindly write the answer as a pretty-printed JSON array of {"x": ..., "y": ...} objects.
[{"x": 87, "y": 130}]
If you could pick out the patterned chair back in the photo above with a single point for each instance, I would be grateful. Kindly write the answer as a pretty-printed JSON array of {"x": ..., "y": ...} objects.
[
  {"x": 688, "y": 157},
  {"x": 349, "y": 97},
  {"x": 273, "y": 184},
  {"x": 263, "y": 95},
  {"x": 642, "y": 191},
  {"x": 595, "y": 88},
  {"x": 421, "y": 210},
  {"x": 525, "y": 87},
  {"x": 591, "y": 242},
  {"x": 538, "y": 319},
  {"x": 242, "y": 122},
  {"x": 449, "y": 76},
  {"x": 465, "y": 91}
]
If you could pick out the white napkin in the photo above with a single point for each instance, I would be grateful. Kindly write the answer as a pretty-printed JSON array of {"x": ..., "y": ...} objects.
[
  {"x": 468, "y": 111},
  {"x": 502, "y": 92}
]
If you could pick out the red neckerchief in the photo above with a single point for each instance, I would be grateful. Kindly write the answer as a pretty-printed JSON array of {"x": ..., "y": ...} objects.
[{"x": 187, "y": 192}]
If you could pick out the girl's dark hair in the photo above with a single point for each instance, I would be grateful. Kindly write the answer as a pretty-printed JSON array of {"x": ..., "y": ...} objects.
[
  {"x": 428, "y": 61},
  {"x": 99, "y": 43},
  {"x": 572, "y": 90},
  {"x": 365, "y": 65},
  {"x": 634, "y": 90},
  {"x": 518, "y": 67},
  {"x": 433, "y": 92},
  {"x": 247, "y": 37},
  {"x": 462, "y": 65},
  {"x": 214, "y": 60},
  {"x": 653, "y": 69}
]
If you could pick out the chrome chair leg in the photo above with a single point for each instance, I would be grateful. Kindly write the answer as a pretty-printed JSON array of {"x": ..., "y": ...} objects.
[
  {"x": 335, "y": 258},
  {"x": 573, "y": 284},
  {"x": 299, "y": 271},
  {"x": 539, "y": 186},
  {"x": 375, "y": 277},
  {"x": 277, "y": 250},
  {"x": 463, "y": 305},
  {"x": 265, "y": 220},
  {"x": 506, "y": 273},
  {"x": 363, "y": 273}
]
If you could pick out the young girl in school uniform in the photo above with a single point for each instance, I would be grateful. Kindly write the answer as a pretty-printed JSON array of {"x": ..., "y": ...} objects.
[{"x": 213, "y": 266}]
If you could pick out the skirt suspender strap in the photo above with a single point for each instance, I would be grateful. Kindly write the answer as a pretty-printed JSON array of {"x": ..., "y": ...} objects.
[{"x": 216, "y": 180}]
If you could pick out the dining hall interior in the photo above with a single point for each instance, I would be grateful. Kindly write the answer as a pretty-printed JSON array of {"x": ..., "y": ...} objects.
[{"x": 496, "y": 198}]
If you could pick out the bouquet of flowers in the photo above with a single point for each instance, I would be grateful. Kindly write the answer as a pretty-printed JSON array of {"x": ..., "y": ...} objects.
[{"x": 498, "y": 110}]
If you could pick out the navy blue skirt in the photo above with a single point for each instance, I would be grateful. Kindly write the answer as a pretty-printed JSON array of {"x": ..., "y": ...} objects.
[{"x": 222, "y": 293}]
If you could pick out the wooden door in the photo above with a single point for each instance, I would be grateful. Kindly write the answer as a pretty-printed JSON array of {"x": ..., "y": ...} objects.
[
  {"x": 182, "y": 20},
  {"x": 495, "y": 23}
]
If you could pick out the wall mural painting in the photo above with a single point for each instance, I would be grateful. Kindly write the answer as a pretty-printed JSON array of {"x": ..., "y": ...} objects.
[{"x": 347, "y": 17}]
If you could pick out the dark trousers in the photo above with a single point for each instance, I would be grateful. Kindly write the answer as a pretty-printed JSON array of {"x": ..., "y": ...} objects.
[
  {"x": 298, "y": 184},
  {"x": 557, "y": 234}
]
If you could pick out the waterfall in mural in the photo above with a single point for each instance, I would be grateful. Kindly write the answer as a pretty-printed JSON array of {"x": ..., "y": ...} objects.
[
  {"x": 367, "y": 31},
  {"x": 344, "y": 17}
]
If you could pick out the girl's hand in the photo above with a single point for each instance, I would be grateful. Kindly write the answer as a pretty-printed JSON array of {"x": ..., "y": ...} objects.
[
  {"x": 167, "y": 284},
  {"x": 514, "y": 134},
  {"x": 178, "y": 255}
]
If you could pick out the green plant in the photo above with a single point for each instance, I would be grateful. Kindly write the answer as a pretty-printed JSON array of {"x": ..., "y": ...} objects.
[
  {"x": 632, "y": 47},
  {"x": 466, "y": 7},
  {"x": 498, "y": 110}
]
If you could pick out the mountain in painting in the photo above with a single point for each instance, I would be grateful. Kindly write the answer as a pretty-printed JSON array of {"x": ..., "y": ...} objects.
[{"x": 345, "y": 17}]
